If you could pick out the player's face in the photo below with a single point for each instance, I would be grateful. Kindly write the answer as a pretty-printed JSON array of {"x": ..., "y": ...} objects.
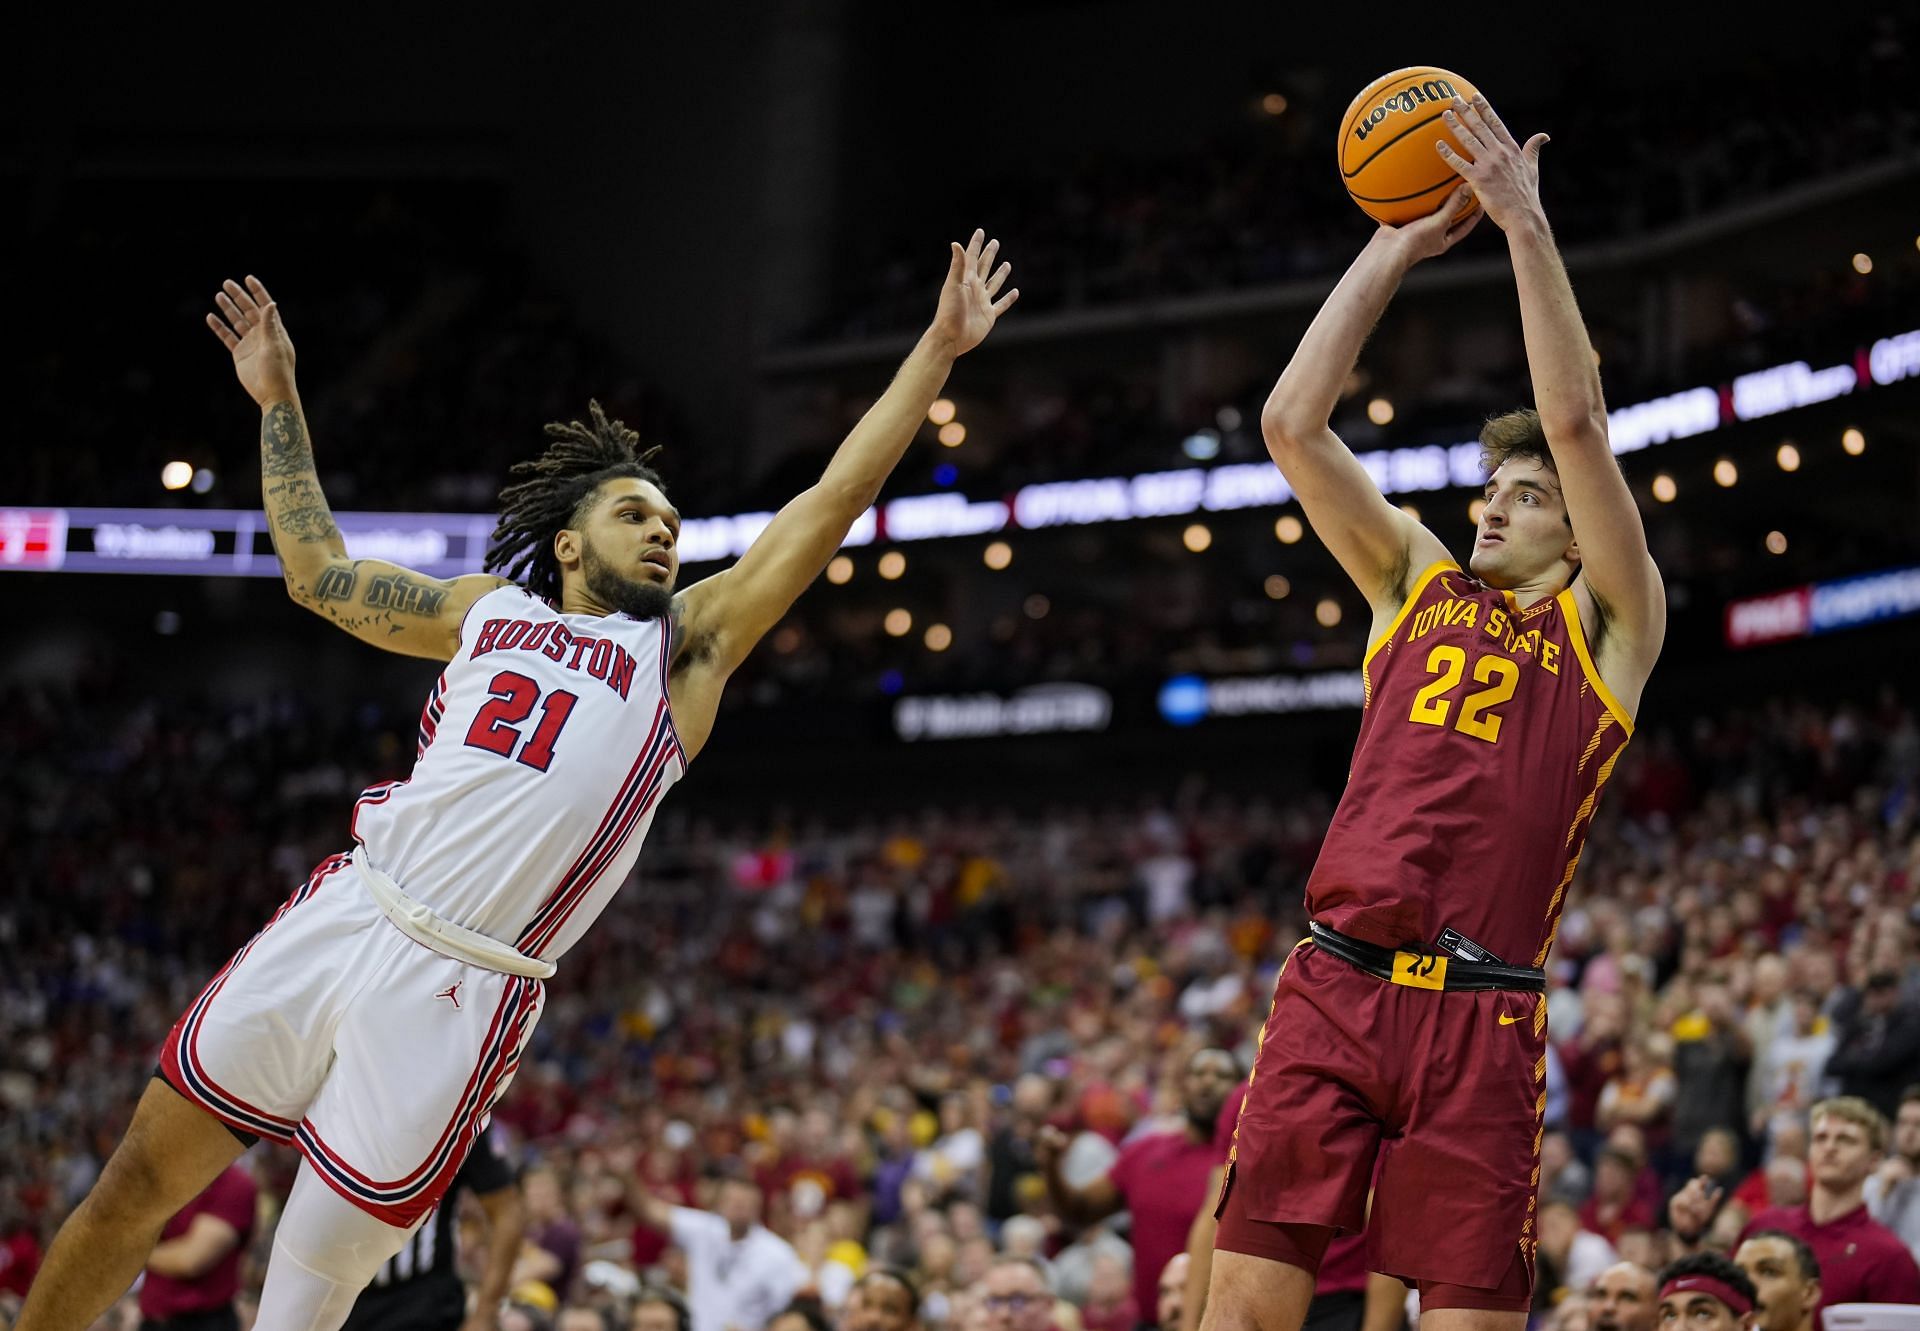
[
  {"x": 1523, "y": 529},
  {"x": 1842, "y": 1154},
  {"x": 1786, "y": 1297},
  {"x": 630, "y": 548}
]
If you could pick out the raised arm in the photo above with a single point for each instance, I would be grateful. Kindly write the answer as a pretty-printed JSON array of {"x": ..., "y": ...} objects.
[
  {"x": 377, "y": 602},
  {"x": 1376, "y": 543},
  {"x": 1621, "y": 590},
  {"x": 722, "y": 617}
]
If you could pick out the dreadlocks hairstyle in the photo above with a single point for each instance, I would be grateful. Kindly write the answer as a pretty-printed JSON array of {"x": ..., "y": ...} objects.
[{"x": 559, "y": 485}]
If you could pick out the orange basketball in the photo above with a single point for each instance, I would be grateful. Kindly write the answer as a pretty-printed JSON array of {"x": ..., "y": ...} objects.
[{"x": 1387, "y": 157}]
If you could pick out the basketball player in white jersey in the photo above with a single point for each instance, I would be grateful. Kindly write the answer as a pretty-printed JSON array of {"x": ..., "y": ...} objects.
[{"x": 377, "y": 1017}]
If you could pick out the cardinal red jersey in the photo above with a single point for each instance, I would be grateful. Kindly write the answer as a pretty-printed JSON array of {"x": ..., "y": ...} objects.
[{"x": 1486, "y": 739}]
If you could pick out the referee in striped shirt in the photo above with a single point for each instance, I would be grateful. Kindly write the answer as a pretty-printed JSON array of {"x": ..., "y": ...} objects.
[{"x": 419, "y": 1289}]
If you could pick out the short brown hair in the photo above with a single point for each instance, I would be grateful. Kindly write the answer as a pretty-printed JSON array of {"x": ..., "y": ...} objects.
[
  {"x": 1852, "y": 1109},
  {"x": 1515, "y": 434}
]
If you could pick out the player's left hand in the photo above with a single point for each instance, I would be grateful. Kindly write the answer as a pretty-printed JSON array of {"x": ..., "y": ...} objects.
[
  {"x": 1505, "y": 176},
  {"x": 968, "y": 304}
]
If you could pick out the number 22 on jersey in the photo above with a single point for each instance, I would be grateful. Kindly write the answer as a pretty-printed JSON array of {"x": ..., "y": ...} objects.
[{"x": 1434, "y": 705}]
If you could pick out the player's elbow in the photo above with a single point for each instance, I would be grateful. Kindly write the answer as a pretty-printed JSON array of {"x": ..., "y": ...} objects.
[{"x": 1283, "y": 427}]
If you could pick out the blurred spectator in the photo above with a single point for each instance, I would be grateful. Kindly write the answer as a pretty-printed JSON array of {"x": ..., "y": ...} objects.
[
  {"x": 1860, "y": 1260},
  {"x": 1160, "y": 1179},
  {"x": 193, "y": 1273},
  {"x": 1786, "y": 1275},
  {"x": 1877, "y": 1041},
  {"x": 1893, "y": 1193},
  {"x": 1014, "y": 1296},
  {"x": 657, "y": 1308},
  {"x": 739, "y": 1272},
  {"x": 1571, "y": 1258},
  {"x": 1615, "y": 1205},
  {"x": 550, "y": 1253},
  {"x": 883, "y": 1299},
  {"x": 1172, "y": 1300},
  {"x": 1624, "y": 1298},
  {"x": 1711, "y": 1053}
]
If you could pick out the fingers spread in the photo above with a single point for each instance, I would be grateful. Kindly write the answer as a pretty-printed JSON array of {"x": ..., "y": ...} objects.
[
  {"x": 978, "y": 239},
  {"x": 221, "y": 331},
  {"x": 1005, "y": 302},
  {"x": 259, "y": 290},
  {"x": 986, "y": 258},
  {"x": 1464, "y": 135},
  {"x": 999, "y": 279}
]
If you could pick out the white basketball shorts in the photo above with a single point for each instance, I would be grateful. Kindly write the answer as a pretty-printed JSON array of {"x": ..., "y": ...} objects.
[{"x": 376, "y": 1058}]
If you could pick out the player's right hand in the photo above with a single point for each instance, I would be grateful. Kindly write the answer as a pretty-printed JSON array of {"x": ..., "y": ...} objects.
[
  {"x": 252, "y": 331},
  {"x": 1440, "y": 230},
  {"x": 1692, "y": 1208}
]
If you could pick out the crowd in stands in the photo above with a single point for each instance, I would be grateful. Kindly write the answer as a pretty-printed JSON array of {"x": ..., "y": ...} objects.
[{"x": 864, "y": 1031}]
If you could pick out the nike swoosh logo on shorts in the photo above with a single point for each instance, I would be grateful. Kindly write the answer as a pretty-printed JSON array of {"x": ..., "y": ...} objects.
[{"x": 1505, "y": 1020}]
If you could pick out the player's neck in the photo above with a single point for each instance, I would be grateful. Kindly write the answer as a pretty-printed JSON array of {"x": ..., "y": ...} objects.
[
  {"x": 1825, "y": 1204},
  {"x": 578, "y": 599}
]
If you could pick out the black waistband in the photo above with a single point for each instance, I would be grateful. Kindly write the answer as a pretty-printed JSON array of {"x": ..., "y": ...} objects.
[{"x": 1458, "y": 974}]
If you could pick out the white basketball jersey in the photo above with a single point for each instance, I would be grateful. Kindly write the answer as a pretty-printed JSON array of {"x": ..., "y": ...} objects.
[{"x": 544, "y": 750}]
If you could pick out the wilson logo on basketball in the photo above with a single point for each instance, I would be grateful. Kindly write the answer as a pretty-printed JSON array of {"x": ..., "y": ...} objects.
[{"x": 1409, "y": 98}]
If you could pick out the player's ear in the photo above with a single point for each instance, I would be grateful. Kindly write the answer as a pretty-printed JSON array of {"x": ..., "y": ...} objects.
[{"x": 566, "y": 547}]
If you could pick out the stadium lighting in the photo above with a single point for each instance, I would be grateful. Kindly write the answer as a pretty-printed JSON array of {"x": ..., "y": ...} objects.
[
  {"x": 202, "y": 481},
  {"x": 1475, "y": 509},
  {"x": 941, "y": 411},
  {"x": 939, "y": 637},
  {"x": 1410, "y": 511},
  {"x": 1664, "y": 489},
  {"x": 1278, "y": 587},
  {"x": 1227, "y": 418},
  {"x": 998, "y": 555},
  {"x": 1776, "y": 543},
  {"x": 1854, "y": 442},
  {"x": 898, "y": 623},
  {"x": 1327, "y": 612},
  {"x": 1288, "y": 529},
  {"x": 1380, "y": 411},
  {"x": 1863, "y": 264},
  {"x": 840, "y": 570},
  {"x": 1274, "y": 104},
  {"x": 1037, "y": 606},
  {"x": 1788, "y": 457},
  {"x": 892, "y": 565},
  {"x": 1201, "y": 446},
  {"x": 1725, "y": 473},
  {"x": 953, "y": 434},
  {"x": 176, "y": 475},
  {"x": 1197, "y": 537}
]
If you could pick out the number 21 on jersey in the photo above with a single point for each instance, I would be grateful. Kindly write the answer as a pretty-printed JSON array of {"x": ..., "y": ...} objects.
[{"x": 1435, "y": 706}]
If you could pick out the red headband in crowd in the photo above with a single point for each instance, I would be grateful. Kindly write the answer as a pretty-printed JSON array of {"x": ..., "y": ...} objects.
[{"x": 1705, "y": 1284}]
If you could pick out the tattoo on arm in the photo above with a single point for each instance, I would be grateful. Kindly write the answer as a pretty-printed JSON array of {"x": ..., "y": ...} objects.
[
  {"x": 336, "y": 584},
  {"x": 407, "y": 596},
  {"x": 295, "y": 506}
]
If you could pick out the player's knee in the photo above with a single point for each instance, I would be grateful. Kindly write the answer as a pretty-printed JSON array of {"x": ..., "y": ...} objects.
[
  {"x": 1246, "y": 1293},
  {"x": 134, "y": 1185}
]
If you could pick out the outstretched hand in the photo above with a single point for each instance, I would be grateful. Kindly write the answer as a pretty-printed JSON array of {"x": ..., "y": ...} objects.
[
  {"x": 968, "y": 308},
  {"x": 1505, "y": 175},
  {"x": 252, "y": 331}
]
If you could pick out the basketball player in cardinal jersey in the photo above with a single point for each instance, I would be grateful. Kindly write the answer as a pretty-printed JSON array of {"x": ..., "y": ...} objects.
[
  {"x": 377, "y": 1017},
  {"x": 1409, "y": 1029}
]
